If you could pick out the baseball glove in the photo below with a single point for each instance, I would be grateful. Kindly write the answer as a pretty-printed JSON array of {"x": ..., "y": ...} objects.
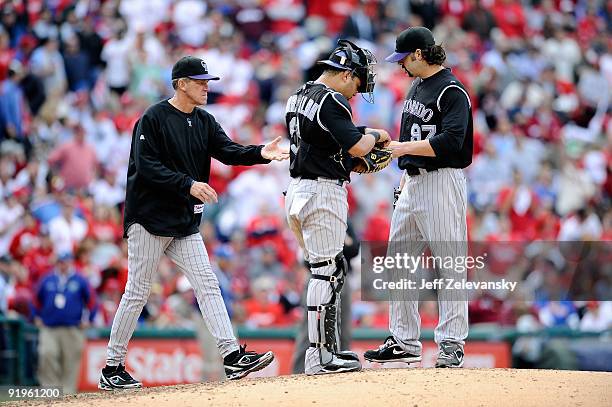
[{"x": 377, "y": 159}]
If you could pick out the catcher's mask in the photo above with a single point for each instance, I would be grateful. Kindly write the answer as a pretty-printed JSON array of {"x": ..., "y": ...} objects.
[{"x": 349, "y": 57}]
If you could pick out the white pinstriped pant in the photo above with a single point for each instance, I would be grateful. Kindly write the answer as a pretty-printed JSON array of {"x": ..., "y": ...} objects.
[
  {"x": 431, "y": 209},
  {"x": 316, "y": 212},
  {"x": 189, "y": 254}
]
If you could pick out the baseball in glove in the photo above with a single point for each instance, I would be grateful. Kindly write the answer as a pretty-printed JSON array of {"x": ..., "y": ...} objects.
[{"x": 377, "y": 159}]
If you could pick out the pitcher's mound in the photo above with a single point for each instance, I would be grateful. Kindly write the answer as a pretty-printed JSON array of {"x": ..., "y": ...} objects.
[{"x": 382, "y": 387}]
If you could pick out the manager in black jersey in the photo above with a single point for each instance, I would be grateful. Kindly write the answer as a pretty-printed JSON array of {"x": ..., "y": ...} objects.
[
  {"x": 167, "y": 186},
  {"x": 323, "y": 140},
  {"x": 435, "y": 144}
]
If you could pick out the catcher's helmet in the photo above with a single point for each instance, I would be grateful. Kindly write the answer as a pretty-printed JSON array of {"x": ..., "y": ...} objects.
[{"x": 349, "y": 57}]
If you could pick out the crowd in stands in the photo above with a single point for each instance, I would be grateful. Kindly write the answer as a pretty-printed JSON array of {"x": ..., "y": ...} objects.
[{"x": 76, "y": 75}]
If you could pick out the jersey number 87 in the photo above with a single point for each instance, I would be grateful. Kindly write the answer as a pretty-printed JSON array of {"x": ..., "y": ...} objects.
[{"x": 416, "y": 130}]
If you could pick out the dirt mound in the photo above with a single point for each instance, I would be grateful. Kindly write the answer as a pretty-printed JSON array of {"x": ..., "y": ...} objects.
[{"x": 381, "y": 387}]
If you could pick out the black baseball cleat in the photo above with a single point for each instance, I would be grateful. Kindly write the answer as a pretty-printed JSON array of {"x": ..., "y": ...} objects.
[
  {"x": 450, "y": 355},
  {"x": 117, "y": 378},
  {"x": 240, "y": 363},
  {"x": 391, "y": 351}
]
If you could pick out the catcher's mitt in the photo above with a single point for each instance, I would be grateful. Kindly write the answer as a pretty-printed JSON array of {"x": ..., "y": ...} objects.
[{"x": 377, "y": 159}]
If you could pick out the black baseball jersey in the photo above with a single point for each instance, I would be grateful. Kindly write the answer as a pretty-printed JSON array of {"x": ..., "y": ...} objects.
[
  {"x": 438, "y": 109},
  {"x": 170, "y": 150},
  {"x": 319, "y": 122}
]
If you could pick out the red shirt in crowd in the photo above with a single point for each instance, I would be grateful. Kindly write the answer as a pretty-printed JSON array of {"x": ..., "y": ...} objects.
[
  {"x": 510, "y": 18},
  {"x": 77, "y": 163},
  {"x": 264, "y": 314}
]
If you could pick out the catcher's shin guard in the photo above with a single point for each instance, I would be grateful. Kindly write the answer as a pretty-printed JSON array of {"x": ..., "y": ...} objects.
[{"x": 327, "y": 324}]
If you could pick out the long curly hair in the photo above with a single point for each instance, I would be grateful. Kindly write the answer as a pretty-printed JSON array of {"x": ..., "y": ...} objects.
[{"x": 434, "y": 54}]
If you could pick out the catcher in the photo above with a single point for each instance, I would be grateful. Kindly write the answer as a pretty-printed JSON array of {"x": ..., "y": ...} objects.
[{"x": 325, "y": 147}]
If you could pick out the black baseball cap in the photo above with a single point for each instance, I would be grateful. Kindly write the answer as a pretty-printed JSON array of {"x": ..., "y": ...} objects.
[
  {"x": 191, "y": 67},
  {"x": 409, "y": 41}
]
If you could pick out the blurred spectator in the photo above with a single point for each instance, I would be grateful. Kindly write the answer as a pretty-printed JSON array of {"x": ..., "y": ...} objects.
[
  {"x": 427, "y": 10},
  {"x": 67, "y": 229},
  {"x": 583, "y": 225},
  {"x": 266, "y": 230},
  {"x": 563, "y": 52},
  {"x": 60, "y": 300},
  {"x": 108, "y": 302},
  {"x": 19, "y": 289},
  {"x": 44, "y": 27},
  {"x": 545, "y": 187},
  {"x": 518, "y": 202},
  {"x": 479, "y": 20},
  {"x": 558, "y": 314},
  {"x": 359, "y": 24},
  {"x": 7, "y": 54},
  {"x": 598, "y": 317},
  {"x": 11, "y": 212},
  {"x": 47, "y": 63},
  {"x": 510, "y": 18},
  {"x": 116, "y": 55},
  {"x": 107, "y": 191},
  {"x": 32, "y": 178},
  {"x": 39, "y": 259},
  {"x": 147, "y": 74},
  {"x": 378, "y": 225},
  {"x": 369, "y": 191},
  {"x": 575, "y": 187},
  {"x": 224, "y": 268},
  {"x": 265, "y": 263},
  {"x": 488, "y": 174},
  {"x": 284, "y": 15},
  {"x": 263, "y": 309},
  {"x": 76, "y": 160},
  {"x": 77, "y": 64},
  {"x": 25, "y": 239},
  {"x": 33, "y": 91},
  {"x": 92, "y": 44},
  {"x": 144, "y": 14},
  {"x": 188, "y": 18},
  {"x": 105, "y": 225},
  {"x": 12, "y": 104},
  {"x": 14, "y": 24}
]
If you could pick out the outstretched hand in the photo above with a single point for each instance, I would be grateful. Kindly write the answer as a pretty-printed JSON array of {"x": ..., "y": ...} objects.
[{"x": 272, "y": 151}]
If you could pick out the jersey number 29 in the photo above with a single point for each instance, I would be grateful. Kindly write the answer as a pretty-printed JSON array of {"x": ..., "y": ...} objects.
[{"x": 294, "y": 131}]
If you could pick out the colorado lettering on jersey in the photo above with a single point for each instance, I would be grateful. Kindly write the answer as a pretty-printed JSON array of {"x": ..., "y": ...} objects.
[
  {"x": 307, "y": 107},
  {"x": 417, "y": 109}
]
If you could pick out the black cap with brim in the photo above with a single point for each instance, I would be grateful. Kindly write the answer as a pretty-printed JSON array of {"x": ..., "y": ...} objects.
[
  {"x": 192, "y": 67},
  {"x": 409, "y": 41}
]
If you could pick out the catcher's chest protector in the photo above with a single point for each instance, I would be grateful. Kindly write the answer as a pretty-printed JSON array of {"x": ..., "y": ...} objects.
[{"x": 314, "y": 152}]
